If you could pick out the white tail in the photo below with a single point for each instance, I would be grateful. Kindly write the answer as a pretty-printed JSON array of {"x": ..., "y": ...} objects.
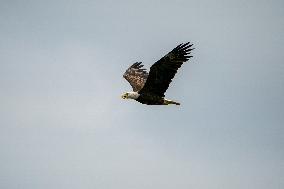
[{"x": 167, "y": 102}]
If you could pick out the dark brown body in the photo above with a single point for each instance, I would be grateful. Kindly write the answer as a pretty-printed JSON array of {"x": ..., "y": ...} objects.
[{"x": 150, "y": 99}]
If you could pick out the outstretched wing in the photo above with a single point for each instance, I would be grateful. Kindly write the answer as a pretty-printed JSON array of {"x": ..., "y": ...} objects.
[
  {"x": 136, "y": 76},
  {"x": 163, "y": 71}
]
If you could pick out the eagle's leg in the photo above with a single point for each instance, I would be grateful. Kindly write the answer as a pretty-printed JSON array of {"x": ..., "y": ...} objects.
[{"x": 167, "y": 102}]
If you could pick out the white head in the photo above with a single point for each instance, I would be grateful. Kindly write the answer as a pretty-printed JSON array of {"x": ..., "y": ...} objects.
[{"x": 130, "y": 95}]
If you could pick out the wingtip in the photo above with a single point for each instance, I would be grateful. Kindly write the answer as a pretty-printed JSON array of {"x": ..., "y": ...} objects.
[{"x": 184, "y": 46}]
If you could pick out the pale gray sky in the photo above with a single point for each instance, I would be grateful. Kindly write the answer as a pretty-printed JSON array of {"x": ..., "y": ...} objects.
[{"x": 63, "y": 124}]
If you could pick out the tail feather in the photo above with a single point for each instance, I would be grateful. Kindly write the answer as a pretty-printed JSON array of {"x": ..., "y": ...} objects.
[
  {"x": 167, "y": 102},
  {"x": 176, "y": 103}
]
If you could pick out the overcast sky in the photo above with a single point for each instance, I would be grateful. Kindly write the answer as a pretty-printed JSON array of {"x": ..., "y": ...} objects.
[{"x": 64, "y": 125}]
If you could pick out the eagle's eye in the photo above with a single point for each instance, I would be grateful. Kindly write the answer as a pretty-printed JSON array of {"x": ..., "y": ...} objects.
[{"x": 124, "y": 96}]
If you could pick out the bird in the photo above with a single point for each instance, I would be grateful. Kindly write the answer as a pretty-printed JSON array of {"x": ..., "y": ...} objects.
[{"x": 149, "y": 88}]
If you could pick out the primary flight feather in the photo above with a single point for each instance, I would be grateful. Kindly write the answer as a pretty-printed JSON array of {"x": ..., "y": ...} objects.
[{"x": 149, "y": 88}]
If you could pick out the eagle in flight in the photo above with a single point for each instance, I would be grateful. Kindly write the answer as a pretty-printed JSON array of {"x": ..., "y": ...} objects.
[{"x": 149, "y": 88}]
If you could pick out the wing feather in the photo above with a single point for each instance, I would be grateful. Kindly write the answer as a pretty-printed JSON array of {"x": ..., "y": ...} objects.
[
  {"x": 136, "y": 75},
  {"x": 163, "y": 71}
]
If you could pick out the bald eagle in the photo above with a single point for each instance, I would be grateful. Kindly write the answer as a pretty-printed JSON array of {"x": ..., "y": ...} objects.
[{"x": 149, "y": 88}]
